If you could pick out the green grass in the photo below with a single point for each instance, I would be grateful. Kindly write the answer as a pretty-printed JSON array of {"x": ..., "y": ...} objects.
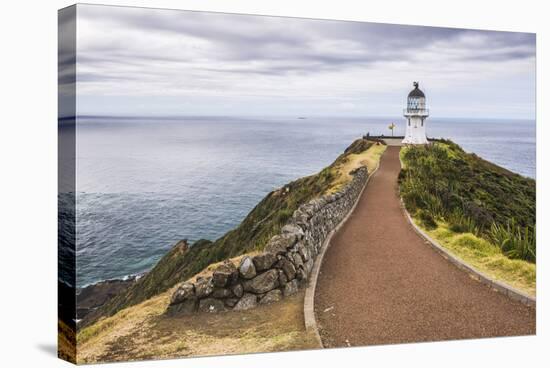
[
  {"x": 480, "y": 212},
  {"x": 441, "y": 182},
  {"x": 514, "y": 241},
  {"x": 252, "y": 234},
  {"x": 487, "y": 258}
]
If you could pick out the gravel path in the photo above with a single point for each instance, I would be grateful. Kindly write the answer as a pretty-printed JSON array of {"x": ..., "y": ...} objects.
[{"x": 381, "y": 284}]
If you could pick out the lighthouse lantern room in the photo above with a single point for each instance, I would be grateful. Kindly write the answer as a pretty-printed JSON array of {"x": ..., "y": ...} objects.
[{"x": 416, "y": 114}]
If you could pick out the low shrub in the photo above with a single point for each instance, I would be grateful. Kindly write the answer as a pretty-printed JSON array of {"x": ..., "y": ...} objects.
[
  {"x": 459, "y": 223},
  {"x": 441, "y": 181},
  {"x": 514, "y": 240},
  {"x": 426, "y": 219}
]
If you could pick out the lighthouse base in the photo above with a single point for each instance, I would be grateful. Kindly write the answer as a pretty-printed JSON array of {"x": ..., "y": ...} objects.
[
  {"x": 415, "y": 130},
  {"x": 415, "y": 140}
]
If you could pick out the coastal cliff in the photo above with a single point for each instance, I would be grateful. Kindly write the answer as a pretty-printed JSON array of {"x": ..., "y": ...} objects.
[
  {"x": 282, "y": 268},
  {"x": 253, "y": 234}
]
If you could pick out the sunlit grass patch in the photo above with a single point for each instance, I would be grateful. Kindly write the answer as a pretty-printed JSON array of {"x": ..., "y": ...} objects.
[
  {"x": 486, "y": 258},
  {"x": 66, "y": 348},
  {"x": 144, "y": 332},
  {"x": 369, "y": 158}
]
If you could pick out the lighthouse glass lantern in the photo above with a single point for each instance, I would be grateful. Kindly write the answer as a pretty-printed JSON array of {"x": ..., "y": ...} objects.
[{"x": 416, "y": 114}]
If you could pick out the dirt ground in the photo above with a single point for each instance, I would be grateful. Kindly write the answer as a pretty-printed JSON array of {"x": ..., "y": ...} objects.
[{"x": 143, "y": 332}]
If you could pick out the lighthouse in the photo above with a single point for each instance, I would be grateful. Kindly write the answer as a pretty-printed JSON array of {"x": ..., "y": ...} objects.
[{"x": 416, "y": 114}]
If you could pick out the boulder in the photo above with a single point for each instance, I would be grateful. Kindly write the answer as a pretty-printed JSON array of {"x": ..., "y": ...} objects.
[
  {"x": 184, "y": 292},
  {"x": 310, "y": 248},
  {"x": 271, "y": 297},
  {"x": 264, "y": 261},
  {"x": 231, "y": 302},
  {"x": 302, "y": 250},
  {"x": 203, "y": 287},
  {"x": 282, "y": 278},
  {"x": 293, "y": 229},
  {"x": 248, "y": 301},
  {"x": 301, "y": 274},
  {"x": 290, "y": 288},
  {"x": 182, "y": 246},
  {"x": 224, "y": 274},
  {"x": 221, "y": 293},
  {"x": 279, "y": 244},
  {"x": 330, "y": 198},
  {"x": 301, "y": 218},
  {"x": 309, "y": 266},
  {"x": 238, "y": 290},
  {"x": 307, "y": 210},
  {"x": 297, "y": 260},
  {"x": 246, "y": 268},
  {"x": 318, "y": 203},
  {"x": 287, "y": 267},
  {"x": 211, "y": 305},
  {"x": 187, "y": 307},
  {"x": 262, "y": 283}
]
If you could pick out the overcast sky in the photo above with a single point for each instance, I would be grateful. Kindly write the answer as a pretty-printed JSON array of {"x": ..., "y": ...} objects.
[{"x": 134, "y": 61}]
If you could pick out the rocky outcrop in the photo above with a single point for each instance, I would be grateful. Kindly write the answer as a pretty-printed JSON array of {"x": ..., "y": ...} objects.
[
  {"x": 284, "y": 266},
  {"x": 93, "y": 296}
]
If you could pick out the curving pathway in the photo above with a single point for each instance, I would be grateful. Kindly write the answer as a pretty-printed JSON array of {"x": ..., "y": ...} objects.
[{"x": 379, "y": 282}]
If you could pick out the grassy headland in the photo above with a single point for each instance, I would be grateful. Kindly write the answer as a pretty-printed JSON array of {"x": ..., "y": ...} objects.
[
  {"x": 134, "y": 326},
  {"x": 143, "y": 331},
  {"x": 479, "y": 211},
  {"x": 66, "y": 348},
  {"x": 263, "y": 222}
]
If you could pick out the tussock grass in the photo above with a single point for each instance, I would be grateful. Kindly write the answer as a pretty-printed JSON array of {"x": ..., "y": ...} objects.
[
  {"x": 480, "y": 212},
  {"x": 486, "y": 257},
  {"x": 442, "y": 182},
  {"x": 514, "y": 241}
]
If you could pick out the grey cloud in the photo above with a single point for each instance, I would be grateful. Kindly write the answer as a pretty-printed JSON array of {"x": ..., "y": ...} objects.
[
  {"x": 136, "y": 48},
  {"x": 66, "y": 45},
  {"x": 249, "y": 38}
]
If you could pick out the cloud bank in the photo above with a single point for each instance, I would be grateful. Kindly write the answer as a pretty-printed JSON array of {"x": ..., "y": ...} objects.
[{"x": 135, "y": 61}]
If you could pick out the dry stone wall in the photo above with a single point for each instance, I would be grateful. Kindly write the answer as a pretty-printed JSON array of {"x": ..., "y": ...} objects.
[{"x": 282, "y": 269}]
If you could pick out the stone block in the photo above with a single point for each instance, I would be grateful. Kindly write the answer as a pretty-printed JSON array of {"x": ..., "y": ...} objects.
[
  {"x": 248, "y": 301},
  {"x": 262, "y": 283},
  {"x": 264, "y": 261},
  {"x": 211, "y": 305},
  {"x": 247, "y": 270}
]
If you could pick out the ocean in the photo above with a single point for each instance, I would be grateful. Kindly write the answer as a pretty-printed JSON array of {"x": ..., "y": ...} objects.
[{"x": 143, "y": 184}]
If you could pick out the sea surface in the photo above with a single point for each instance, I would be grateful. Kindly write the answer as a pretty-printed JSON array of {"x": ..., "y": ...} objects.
[{"x": 143, "y": 184}]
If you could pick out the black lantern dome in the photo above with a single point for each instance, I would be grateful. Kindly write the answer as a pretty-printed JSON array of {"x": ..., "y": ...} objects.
[{"x": 416, "y": 92}]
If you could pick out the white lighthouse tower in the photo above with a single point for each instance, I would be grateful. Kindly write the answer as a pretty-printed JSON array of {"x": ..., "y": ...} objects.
[{"x": 416, "y": 114}]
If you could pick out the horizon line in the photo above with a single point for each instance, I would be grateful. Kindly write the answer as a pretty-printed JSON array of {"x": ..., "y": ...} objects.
[{"x": 299, "y": 117}]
